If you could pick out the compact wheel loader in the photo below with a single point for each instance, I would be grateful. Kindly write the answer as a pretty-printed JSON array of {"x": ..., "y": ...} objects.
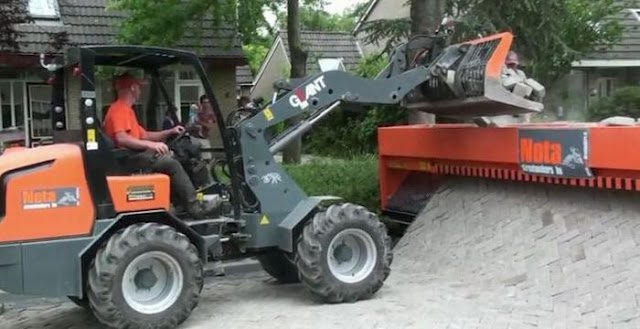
[{"x": 76, "y": 222}]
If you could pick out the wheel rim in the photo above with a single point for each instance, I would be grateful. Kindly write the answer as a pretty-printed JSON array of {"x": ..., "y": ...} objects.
[
  {"x": 152, "y": 282},
  {"x": 351, "y": 255}
]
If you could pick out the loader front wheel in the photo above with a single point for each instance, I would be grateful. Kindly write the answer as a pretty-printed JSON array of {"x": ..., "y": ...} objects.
[
  {"x": 145, "y": 276},
  {"x": 344, "y": 254}
]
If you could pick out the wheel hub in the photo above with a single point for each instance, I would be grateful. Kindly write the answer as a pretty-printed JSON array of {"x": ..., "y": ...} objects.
[
  {"x": 343, "y": 253},
  {"x": 152, "y": 282},
  {"x": 352, "y": 255},
  {"x": 145, "y": 278}
]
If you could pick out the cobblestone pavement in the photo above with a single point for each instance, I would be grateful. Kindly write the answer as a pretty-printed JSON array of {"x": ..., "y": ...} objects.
[
  {"x": 482, "y": 255},
  {"x": 256, "y": 301}
]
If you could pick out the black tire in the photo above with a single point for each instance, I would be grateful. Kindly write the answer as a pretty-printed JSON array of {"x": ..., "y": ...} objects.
[
  {"x": 105, "y": 289},
  {"x": 279, "y": 266},
  {"x": 312, "y": 254},
  {"x": 80, "y": 302}
]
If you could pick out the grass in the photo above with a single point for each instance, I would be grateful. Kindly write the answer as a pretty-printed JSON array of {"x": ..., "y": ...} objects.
[{"x": 355, "y": 180}]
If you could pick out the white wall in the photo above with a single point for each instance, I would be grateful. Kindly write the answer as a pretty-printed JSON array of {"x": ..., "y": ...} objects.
[
  {"x": 273, "y": 69},
  {"x": 383, "y": 9}
]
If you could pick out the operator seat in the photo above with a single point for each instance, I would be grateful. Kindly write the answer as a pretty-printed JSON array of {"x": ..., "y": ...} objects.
[{"x": 116, "y": 155}]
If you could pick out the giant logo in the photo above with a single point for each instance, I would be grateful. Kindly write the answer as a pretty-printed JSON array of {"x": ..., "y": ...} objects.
[{"x": 301, "y": 97}]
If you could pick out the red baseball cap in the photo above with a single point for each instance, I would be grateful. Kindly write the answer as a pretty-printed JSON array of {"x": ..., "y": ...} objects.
[{"x": 126, "y": 81}]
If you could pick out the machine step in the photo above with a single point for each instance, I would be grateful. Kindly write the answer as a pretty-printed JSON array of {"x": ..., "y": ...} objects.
[{"x": 214, "y": 221}]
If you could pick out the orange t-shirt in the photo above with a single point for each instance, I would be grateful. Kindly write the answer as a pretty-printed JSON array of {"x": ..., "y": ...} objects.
[{"x": 121, "y": 118}]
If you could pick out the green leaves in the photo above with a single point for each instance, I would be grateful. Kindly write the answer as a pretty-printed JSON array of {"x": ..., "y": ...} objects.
[
  {"x": 550, "y": 34},
  {"x": 313, "y": 17},
  {"x": 256, "y": 53},
  {"x": 391, "y": 32},
  {"x": 12, "y": 13},
  {"x": 165, "y": 22}
]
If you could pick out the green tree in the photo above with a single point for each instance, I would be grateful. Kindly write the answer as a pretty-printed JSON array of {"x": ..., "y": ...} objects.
[
  {"x": 256, "y": 53},
  {"x": 550, "y": 34},
  {"x": 165, "y": 22},
  {"x": 313, "y": 17},
  {"x": 11, "y": 13}
]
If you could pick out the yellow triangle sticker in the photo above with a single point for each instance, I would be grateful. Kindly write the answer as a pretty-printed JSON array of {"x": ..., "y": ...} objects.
[
  {"x": 264, "y": 220},
  {"x": 268, "y": 114}
]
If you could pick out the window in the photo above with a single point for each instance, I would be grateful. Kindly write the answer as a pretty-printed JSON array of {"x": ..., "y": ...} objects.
[
  {"x": 606, "y": 86},
  {"x": 39, "y": 102},
  {"x": 44, "y": 8},
  {"x": 11, "y": 103},
  {"x": 636, "y": 13},
  {"x": 331, "y": 64},
  {"x": 187, "y": 73}
]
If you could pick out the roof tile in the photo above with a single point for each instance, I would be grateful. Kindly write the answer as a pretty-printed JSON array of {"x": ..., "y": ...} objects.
[
  {"x": 629, "y": 46},
  {"x": 321, "y": 44},
  {"x": 88, "y": 22},
  {"x": 244, "y": 76}
]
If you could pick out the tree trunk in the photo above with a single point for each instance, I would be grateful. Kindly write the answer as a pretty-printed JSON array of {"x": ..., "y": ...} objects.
[
  {"x": 426, "y": 15},
  {"x": 298, "y": 70}
]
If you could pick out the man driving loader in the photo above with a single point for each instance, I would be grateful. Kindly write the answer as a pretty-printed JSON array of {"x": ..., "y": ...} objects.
[{"x": 148, "y": 148}]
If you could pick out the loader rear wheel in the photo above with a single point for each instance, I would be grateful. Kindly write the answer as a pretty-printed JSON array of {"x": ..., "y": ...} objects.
[
  {"x": 344, "y": 254},
  {"x": 280, "y": 267},
  {"x": 145, "y": 276}
]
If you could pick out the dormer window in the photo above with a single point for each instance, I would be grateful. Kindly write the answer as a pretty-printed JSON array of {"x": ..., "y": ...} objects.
[
  {"x": 44, "y": 9},
  {"x": 331, "y": 64}
]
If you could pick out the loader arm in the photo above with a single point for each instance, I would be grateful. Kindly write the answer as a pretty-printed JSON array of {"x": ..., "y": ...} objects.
[
  {"x": 267, "y": 189},
  {"x": 323, "y": 93},
  {"x": 457, "y": 74}
]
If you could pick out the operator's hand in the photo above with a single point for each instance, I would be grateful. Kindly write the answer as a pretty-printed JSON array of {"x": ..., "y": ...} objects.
[
  {"x": 177, "y": 130},
  {"x": 158, "y": 148}
]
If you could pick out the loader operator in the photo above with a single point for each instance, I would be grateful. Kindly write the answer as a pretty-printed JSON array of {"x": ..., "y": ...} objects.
[{"x": 150, "y": 151}]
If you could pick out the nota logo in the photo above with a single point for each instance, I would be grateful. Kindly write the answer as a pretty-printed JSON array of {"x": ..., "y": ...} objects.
[{"x": 301, "y": 97}]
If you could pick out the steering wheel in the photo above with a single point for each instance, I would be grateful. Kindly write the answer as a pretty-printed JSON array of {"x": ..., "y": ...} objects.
[{"x": 174, "y": 141}]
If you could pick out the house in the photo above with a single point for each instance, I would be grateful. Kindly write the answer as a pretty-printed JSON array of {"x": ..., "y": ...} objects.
[
  {"x": 326, "y": 51},
  {"x": 380, "y": 10},
  {"x": 25, "y": 94},
  {"x": 601, "y": 72}
]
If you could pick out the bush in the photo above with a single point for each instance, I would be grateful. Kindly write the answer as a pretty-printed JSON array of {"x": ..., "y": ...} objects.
[
  {"x": 624, "y": 102},
  {"x": 355, "y": 180}
]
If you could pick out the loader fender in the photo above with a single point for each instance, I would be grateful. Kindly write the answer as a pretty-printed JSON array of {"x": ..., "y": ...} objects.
[
  {"x": 295, "y": 220},
  {"x": 202, "y": 243}
]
